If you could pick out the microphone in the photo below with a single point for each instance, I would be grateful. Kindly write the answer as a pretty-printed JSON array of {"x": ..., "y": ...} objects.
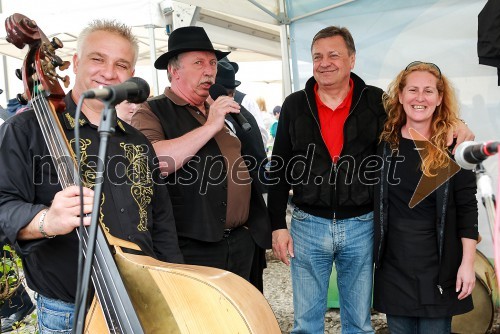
[
  {"x": 469, "y": 153},
  {"x": 217, "y": 90},
  {"x": 134, "y": 90}
]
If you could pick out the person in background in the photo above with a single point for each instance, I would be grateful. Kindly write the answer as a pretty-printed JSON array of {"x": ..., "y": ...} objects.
[
  {"x": 250, "y": 104},
  {"x": 39, "y": 218},
  {"x": 420, "y": 283},
  {"x": 19, "y": 305},
  {"x": 261, "y": 102},
  {"x": 326, "y": 132},
  {"x": 252, "y": 148},
  {"x": 251, "y": 145},
  {"x": 267, "y": 118},
  {"x": 219, "y": 210},
  {"x": 125, "y": 110},
  {"x": 274, "y": 126},
  {"x": 13, "y": 106},
  {"x": 273, "y": 129}
]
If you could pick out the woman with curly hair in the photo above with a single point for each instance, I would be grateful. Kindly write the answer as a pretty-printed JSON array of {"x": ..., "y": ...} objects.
[{"x": 425, "y": 208}]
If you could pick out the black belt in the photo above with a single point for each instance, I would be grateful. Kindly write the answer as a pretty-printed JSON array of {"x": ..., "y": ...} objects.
[{"x": 227, "y": 231}]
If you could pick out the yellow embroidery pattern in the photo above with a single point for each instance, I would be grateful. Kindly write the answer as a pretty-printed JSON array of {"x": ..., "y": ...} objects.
[
  {"x": 71, "y": 120},
  {"x": 139, "y": 174},
  {"x": 88, "y": 174}
]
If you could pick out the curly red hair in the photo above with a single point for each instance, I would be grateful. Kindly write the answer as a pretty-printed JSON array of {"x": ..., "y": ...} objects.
[{"x": 445, "y": 117}]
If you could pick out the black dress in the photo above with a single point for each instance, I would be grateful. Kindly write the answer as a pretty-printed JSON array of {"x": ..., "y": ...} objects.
[{"x": 406, "y": 282}]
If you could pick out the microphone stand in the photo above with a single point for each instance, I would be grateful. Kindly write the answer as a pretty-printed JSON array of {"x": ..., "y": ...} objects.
[
  {"x": 484, "y": 186},
  {"x": 106, "y": 129}
]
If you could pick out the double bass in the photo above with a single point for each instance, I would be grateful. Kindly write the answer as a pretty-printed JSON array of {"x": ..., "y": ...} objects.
[{"x": 133, "y": 293}]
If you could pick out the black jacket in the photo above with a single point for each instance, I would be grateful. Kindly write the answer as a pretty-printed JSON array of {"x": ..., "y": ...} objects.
[
  {"x": 29, "y": 183},
  {"x": 301, "y": 160},
  {"x": 456, "y": 218},
  {"x": 202, "y": 216},
  {"x": 252, "y": 148}
]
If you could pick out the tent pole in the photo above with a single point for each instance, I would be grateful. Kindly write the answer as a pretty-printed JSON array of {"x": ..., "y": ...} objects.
[
  {"x": 285, "y": 53},
  {"x": 6, "y": 89},
  {"x": 256, "y": 4},
  {"x": 152, "y": 57}
]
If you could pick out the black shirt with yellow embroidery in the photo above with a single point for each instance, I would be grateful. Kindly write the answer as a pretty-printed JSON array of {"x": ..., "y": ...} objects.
[{"x": 135, "y": 205}]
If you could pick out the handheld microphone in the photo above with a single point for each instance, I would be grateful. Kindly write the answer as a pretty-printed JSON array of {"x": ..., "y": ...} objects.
[
  {"x": 469, "y": 153},
  {"x": 134, "y": 90},
  {"x": 217, "y": 90}
]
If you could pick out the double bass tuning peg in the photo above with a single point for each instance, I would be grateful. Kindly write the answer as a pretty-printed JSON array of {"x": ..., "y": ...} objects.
[
  {"x": 56, "y": 61},
  {"x": 19, "y": 74},
  {"x": 65, "y": 80},
  {"x": 21, "y": 98},
  {"x": 64, "y": 66},
  {"x": 56, "y": 43}
]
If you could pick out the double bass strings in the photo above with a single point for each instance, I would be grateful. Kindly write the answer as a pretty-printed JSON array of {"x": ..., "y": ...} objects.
[{"x": 67, "y": 175}]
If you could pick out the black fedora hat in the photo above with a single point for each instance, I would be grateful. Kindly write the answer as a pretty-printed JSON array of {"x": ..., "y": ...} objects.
[
  {"x": 233, "y": 64},
  {"x": 225, "y": 75},
  {"x": 186, "y": 39}
]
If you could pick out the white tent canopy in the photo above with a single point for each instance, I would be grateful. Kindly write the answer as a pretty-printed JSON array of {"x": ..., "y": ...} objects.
[
  {"x": 253, "y": 30},
  {"x": 228, "y": 32},
  {"x": 248, "y": 40}
]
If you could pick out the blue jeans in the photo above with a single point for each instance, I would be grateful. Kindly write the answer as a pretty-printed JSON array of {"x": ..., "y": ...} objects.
[
  {"x": 54, "y": 316},
  {"x": 413, "y": 325},
  {"x": 317, "y": 243}
]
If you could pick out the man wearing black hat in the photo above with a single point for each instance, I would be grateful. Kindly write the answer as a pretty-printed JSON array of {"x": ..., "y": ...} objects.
[
  {"x": 219, "y": 211},
  {"x": 249, "y": 103},
  {"x": 252, "y": 148},
  {"x": 251, "y": 140}
]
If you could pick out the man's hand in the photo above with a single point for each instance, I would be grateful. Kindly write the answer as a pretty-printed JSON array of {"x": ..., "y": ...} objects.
[
  {"x": 462, "y": 133},
  {"x": 282, "y": 245},
  {"x": 64, "y": 213},
  {"x": 219, "y": 109}
]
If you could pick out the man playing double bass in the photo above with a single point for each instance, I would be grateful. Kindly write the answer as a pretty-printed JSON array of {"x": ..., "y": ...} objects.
[{"x": 39, "y": 217}]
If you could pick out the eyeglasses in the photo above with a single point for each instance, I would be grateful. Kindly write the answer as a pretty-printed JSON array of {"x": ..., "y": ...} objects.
[{"x": 416, "y": 63}]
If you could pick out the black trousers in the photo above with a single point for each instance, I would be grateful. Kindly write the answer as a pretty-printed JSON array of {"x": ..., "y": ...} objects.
[
  {"x": 258, "y": 265},
  {"x": 234, "y": 253}
]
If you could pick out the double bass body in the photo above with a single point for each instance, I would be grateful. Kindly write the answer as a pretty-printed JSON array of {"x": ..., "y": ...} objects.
[{"x": 176, "y": 298}]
